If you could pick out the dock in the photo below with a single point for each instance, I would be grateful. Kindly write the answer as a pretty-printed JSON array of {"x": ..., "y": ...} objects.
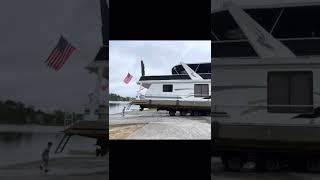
[{"x": 92, "y": 129}]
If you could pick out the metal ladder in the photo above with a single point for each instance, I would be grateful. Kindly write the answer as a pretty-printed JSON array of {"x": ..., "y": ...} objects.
[
  {"x": 69, "y": 120},
  {"x": 62, "y": 143}
]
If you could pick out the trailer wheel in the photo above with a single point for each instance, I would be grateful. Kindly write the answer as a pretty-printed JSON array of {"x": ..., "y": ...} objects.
[
  {"x": 272, "y": 164},
  {"x": 232, "y": 164},
  {"x": 141, "y": 108},
  {"x": 298, "y": 165},
  {"x": 172, "y": 113},
  {"x": 313, "y": 165},
  {"x": 195, "y": 113},
  {"x": 183, "y": 113},
  {"x": 260, "y": 164}
]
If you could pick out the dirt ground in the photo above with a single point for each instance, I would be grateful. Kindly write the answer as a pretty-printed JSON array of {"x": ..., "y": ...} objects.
[{"x": 123, "y": 131}]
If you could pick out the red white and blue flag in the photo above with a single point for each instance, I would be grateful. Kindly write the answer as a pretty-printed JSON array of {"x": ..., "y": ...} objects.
[
  {"x": 60, "y": 54},
  {"x": 128, "y": 78}
]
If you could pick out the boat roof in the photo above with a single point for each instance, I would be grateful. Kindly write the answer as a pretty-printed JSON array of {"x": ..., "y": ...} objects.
[
  {"x": 219, "y": 5},
  {"x": 172, "y": 77},
  {"x": 295, "y": 25},
  {"x": 199, "y": 68}
]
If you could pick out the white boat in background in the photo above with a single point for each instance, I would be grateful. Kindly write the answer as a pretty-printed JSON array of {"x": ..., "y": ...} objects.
[
  {"x": 187, "y": 90},
  {"x": 266, "y": 88}
]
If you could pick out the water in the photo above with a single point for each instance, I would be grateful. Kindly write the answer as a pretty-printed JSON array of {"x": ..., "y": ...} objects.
[
  {"x": 117, "y": 107},
  {"x": 25, "y": 143}
]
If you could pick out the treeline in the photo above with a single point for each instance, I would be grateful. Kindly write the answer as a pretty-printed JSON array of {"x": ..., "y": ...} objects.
[
  {"x": 12, "y": 112},
  {"x": 116, "y": 97}
]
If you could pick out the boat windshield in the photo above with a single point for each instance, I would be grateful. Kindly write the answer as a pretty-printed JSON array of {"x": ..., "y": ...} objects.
[{"x": 296, "y": 27}]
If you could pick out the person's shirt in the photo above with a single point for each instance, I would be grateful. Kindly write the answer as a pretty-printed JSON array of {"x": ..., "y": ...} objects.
[{"x": 45, "y": 153}]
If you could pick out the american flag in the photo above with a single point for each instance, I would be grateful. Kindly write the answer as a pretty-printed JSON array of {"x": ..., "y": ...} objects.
[
  {"x": 128, "y": 78},
  {"x": 60, "y": 54}
]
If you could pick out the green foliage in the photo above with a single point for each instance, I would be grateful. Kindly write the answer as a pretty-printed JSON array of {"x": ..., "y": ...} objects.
[
  {"x": 17, "y": 113},
  {"x": 116, "y": 97}
]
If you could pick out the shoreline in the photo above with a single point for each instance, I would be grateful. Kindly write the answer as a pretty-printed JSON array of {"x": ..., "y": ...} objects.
[{"x": 29, "y": 128}]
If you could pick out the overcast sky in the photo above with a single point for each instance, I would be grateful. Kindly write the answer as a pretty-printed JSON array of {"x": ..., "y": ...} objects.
[
  {"x": 29, "y": 31},
  {"x": 158, "y": 56}
]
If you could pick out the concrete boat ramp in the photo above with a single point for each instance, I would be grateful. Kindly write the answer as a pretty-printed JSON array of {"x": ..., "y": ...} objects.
[{"x": 151, "y": 124}]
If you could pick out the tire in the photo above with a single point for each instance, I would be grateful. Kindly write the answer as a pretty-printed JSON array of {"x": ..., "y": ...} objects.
[
  {"x": 313, "y": 165},
  {"x": 298, "y": 165},
  {"x": 172, "y": 113},
  {"x": 195, "y": 113},
  {"x": 233, "y": 164},
  {"x": 272, "y": 164},
  {"x": 261, "y": 165},
  {"x": 183, "y": 113}
]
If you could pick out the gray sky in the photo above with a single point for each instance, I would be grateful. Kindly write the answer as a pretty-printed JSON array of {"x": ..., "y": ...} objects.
[
  {"x": 158, "y": 56},
  {"x": 29, "y": 31}
]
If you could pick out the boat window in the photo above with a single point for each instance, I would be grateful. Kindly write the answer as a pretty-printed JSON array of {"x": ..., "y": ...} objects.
[
  {"x": 199, "y": 68},
  {"x": 167, "y": 88},
  {"x": 146, "y": 85},
  {"x": 294, "y": 22},
  {"x": 295, "y": 27},
  {"x": 201, "y": 90},
  {"x": 298, "y": 22},
  {"x": 287, "y": 90}
]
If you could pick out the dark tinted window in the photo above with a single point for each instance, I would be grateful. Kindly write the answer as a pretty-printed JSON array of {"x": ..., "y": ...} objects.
[
  {"x": 293, "y": 27},
  {"x": 167, "y": 88},
  {"x": 290, "y": 88},
  {"x": 198, "y": 68},
  {"x": 201, "y": 90}
]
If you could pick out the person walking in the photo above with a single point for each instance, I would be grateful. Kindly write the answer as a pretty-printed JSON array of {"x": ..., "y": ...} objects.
[
  {"x": 45, "y": 158},
  {"x": 123, "y": 111}
]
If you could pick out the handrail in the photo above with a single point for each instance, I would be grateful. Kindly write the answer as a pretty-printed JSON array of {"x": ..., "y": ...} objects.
[
  {"x": 266, "y": 106},
  {"x": 180, "y": 96},
  {"x": 69, "y": 120}
]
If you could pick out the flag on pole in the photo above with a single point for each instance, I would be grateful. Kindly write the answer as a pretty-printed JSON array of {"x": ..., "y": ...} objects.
[
  {"x": 60, "y": 54},
  {"x": 128, "y": 78}
]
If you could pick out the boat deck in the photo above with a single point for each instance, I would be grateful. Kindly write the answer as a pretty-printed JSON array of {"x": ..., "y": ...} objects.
[
  {"x": 174, "y": 104},
  {"x": 93, "y": 129}
]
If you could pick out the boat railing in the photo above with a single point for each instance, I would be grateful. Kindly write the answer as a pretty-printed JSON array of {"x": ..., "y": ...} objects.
[
  {"x": 176, "y": 97},
  {"x": 262, "y": 106},
  {"x": 69, "y": 120}
]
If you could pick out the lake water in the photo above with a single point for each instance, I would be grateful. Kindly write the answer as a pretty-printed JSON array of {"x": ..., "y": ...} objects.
[
  {"x": 117, "y": 107},
  {"x": 25, "y": 143}
]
